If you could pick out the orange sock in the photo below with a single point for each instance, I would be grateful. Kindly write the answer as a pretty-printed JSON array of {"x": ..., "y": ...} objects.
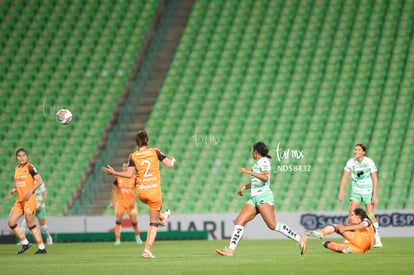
[
  {"x": 136, "y": 229},
  {"x": 37, "y": 236},
  {"x": 337, "y": 247},
  {"x": 18, "y": 231},
  {"x": 151, "y": 234},
  {"x": 117, "y": 231}
]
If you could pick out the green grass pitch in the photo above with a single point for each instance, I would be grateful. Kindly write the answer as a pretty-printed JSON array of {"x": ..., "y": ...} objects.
[{"x": 198, "y": 257}]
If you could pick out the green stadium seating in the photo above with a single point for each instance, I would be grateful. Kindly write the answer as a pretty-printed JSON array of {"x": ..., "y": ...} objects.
[
  {"x": 316, "y": 76},
  {"x": 313, "y": 75},
  {"x": 72, "y": 54}
]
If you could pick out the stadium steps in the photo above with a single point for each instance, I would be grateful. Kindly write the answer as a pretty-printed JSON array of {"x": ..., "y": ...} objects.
[
  {"x": 56, "y": 54},
  {"x": 147, "y": 100},
  {"x": 318, "y": 76}
]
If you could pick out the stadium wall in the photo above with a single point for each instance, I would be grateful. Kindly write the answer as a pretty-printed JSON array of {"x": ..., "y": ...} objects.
[{"x": 394, "y": 223}]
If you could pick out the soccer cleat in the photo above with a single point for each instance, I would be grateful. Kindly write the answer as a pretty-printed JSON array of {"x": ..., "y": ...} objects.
[
  {"x": 138, "y": 239},
  {"x": 117, "y": 242},
  {"x": 164, "y": 217},
  {"x": 347, "y": 250},
  {"x": 314, "y": 234},
  {"x": 378, "y": 243},
  {"x": 24, "y": 248},
  {"x": 225, "y": 252},
  {"x": 41, "y": 251},
  {"x": 147, "y": 254},
  {"x": 302, "y": 245},
  {"x": 49, "y": 240}
]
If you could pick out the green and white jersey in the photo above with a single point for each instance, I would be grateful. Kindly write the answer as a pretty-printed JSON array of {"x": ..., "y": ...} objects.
[
  {"x": 258, "y": 186},
  {"x": 39, "y": 195},
  {"x": 361, "y": 174}
]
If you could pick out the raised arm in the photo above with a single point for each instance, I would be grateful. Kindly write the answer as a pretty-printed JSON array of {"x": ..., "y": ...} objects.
[
  {"x": 125, "y": 174},
  {"x": 168, "y": 162}
]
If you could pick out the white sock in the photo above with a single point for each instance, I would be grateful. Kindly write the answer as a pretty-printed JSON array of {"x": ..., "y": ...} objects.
[
  {"x": 286, "y": 231},
  {"x": 25, "y": 241},
  {"x": 42, "y": 246},
  {"x": 44, "y": 229},
  {"x": 236, "y": 236},
  {"x": 24, "y": 227},
  {"x": 376, "y": 226}
]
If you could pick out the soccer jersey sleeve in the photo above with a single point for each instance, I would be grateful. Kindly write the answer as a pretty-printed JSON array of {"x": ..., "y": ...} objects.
[
  {"x": 372, "y": 166},
  {"x": 366, "y": 222},
  {"x": 130, "y": 161},
  {"x": 161, "y": 156},
  {"x": 32, "y": 170},
  {"x": 265, "y": 165},
  {"x": 348, "y": 165}
]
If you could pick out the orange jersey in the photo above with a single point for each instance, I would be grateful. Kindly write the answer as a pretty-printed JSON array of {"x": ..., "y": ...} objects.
[
  {"x": 125, "y": 189},
  {"x": 24, "y": 179},
  {"x": 369, "y": 231},
  {"x": 147, "y": 167},
  {"x": 146, "y": 163},
  {"x": 363, "y": 239}
]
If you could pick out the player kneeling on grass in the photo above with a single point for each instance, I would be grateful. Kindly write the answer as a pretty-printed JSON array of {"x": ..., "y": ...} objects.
[{"x": 359, "y": 235}]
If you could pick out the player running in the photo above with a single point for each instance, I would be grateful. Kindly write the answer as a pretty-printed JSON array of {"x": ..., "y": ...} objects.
[
  {"x": 145, "y": 163},
  {"x": 261, "y": 202},
  {"x": 359, "y": 234}
]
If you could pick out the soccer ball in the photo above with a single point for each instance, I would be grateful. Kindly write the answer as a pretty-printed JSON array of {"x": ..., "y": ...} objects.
[{"x": 64, "y": 116}]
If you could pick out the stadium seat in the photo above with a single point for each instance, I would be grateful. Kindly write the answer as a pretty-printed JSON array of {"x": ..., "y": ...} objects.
[{"x": 58, "y": 55}]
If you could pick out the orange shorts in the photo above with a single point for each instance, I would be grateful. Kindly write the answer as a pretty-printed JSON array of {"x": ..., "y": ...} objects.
[
  {"x": 25, "y": 207},
  {"x": 152, "y": 199},
  {"x": 360, "y": 240},
  {"x": 124, "y": 206}
]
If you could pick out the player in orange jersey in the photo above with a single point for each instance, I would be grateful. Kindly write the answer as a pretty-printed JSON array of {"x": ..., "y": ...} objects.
[
  {"x": 144, "y": 162},
  {"x": 123, "y": 200},
  {"x": 26, "y": 181},
  {"x": 359, "y": 235}
]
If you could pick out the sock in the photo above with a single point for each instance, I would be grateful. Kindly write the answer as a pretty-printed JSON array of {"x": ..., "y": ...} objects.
[
  {"x": 136, "y": 229},
  {"x": 18, "y": 232},
  {"x": 236, "y": 236},
  {"x": 117, "y": 231},
  {"x": 288, "y": 232},
  {"x": 152, "y": 233},
  {"x": 24, "y": 227},
  {"x": 44, "y": 229},
  {"x": 376, "y": 226},
  {"x": 338, "y": 247},
  {"x": 327, "y": 230},
  {"x": 37, "y": 236}
]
